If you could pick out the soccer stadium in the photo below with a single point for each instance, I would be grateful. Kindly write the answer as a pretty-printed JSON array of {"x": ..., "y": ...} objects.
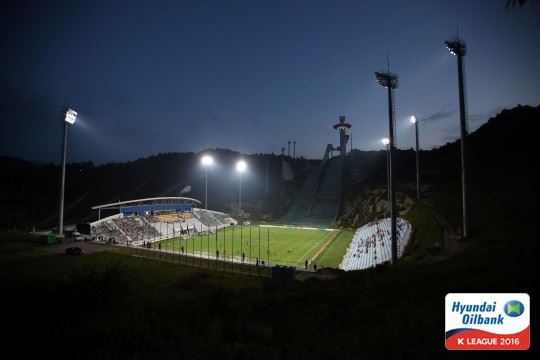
[
  {"x": 302, "y": 239},
  {"x": 176, "y": 226}
]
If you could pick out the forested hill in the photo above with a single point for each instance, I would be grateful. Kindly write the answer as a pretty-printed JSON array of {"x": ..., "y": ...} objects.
[
  {"x": 503, "y": 163},
  {"x": 29, "y": 192}
]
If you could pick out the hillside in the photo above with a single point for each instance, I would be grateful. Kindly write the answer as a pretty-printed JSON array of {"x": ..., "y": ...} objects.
[
  {"x": 501, "y": 154},
  {"x": 133, "y": 308},
  {"x": 29, "y": 192}
]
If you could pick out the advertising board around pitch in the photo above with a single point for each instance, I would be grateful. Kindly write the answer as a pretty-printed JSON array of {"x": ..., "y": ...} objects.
[{"x": 484, "y": 321}]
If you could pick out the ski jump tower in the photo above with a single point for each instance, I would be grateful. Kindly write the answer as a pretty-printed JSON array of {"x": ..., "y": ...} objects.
[
  {"x": 318, "y": 201},
  {"x": 342, "y": 127}
]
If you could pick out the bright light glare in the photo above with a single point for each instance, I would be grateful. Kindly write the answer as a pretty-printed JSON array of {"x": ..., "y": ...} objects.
[
  {"x": 71, "y": 116},
  {"x": 385, "y": 141},
  {"x": 413, "y": 119},
  {"x": 241, "y": 166},
  {"x": 207, "y": 160}
]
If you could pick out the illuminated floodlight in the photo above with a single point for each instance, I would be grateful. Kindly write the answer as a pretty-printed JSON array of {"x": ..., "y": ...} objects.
[
  {"x": 413, "y": 119},
  {"x": 70, "y": 116},
  {"x": 241, "y": 166},
  {"x": 207, "y": 160},
  {"x": 385, "y": 141}
]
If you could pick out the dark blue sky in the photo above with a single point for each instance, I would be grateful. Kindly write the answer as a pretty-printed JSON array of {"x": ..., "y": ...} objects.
[{"x": 160, "y": 76}]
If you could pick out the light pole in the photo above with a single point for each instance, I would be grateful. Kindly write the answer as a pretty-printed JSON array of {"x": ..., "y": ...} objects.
[
  {"x": 68, "y": 118},
  {"x": 415, "y": 121},
  {"x": 240, "y": 168},
  {"x": 386, "y": 142},
  {"x": 389, "y": 81},
  {"x": 207, "y": 161},
  {"x": 458, "y": 48}
]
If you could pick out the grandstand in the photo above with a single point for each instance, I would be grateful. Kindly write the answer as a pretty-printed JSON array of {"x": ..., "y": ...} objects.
[
  {"x": 135, "y": 228},
  {"x": 206, "y": 218},
  {"x": 213, "y": 218},
  {"x": 319, "y": 198},
  {"x": 371, "y": 244},
  {"x": 149, "y": 206},
  {"x": 105, "y": 230},
  {"x": 156, "y": 219}
]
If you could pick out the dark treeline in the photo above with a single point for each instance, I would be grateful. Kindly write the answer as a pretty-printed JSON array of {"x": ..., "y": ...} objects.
[{"x": 29, "y": 194}]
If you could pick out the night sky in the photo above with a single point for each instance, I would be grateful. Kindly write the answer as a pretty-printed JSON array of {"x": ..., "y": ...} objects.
[{"x": 176, "y": 76}]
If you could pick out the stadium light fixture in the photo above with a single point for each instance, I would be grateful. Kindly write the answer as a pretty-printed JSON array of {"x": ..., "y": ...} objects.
[
  {"x": 385, "y": 141},
  {"x": 241, "y": 167},
  {"x": 456, "y": 46},
  {"x": 69, "y": 116},
  {"x": 207, "y": 161},
  {"x": 413, "y": 119}
]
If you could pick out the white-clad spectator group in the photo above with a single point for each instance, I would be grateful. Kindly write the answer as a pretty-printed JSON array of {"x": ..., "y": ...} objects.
[{"x": 371, "y": 244}]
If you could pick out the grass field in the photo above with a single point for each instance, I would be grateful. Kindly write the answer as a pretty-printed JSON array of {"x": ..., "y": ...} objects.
[
  {"x": 288, "y": 246},
  {"x": 333, "y": 254}
]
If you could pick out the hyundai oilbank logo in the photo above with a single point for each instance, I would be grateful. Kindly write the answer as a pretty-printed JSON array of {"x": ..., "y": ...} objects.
[
  {"x": 513, "y": 308},
  {"x": 487, "y": 321}
]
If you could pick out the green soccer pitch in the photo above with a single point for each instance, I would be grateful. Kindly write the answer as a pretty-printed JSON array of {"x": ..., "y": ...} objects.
[{"x": 288, "y": 246}]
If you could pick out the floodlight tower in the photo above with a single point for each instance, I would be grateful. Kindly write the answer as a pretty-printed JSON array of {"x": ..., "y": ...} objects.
[
  {"x": 415, "y": 121},
  {"x": 390, "y": 81},
  {"x": 68, "y": 118},
  {"x": 457, "y": 47},
  {"x": 241, "y": 167},
  {"x": 207, "y": 161},
  {"x": 342, "y": 127}
]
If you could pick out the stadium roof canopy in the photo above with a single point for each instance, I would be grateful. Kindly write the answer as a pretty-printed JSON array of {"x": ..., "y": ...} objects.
[{"x": 148, "y": 201}]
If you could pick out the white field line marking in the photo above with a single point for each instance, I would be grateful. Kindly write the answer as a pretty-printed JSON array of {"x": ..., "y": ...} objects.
[
  {"x": 296, "y": 227},
  {"x": 310, "y": 250}
]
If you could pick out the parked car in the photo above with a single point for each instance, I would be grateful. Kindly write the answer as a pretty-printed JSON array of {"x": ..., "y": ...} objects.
[
  {"x": 74, "y": 251},
  {"x": 77, "y": 236},
  {"x": 73, "y": 235}
]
